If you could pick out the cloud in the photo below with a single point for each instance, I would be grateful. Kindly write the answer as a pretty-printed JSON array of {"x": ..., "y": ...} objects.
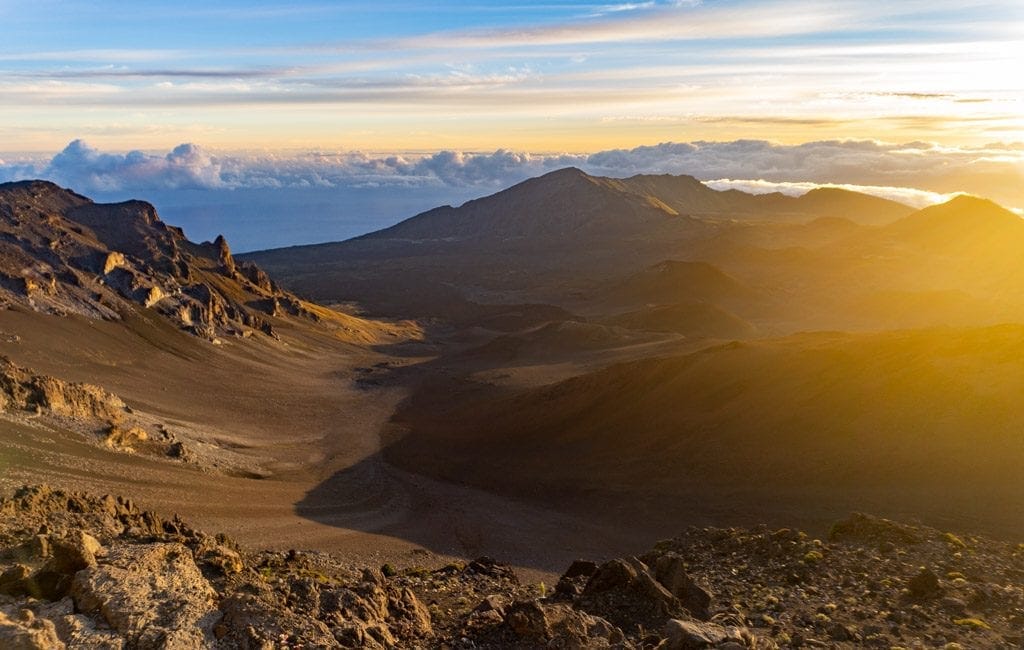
[
  {"x": 767, "y": 68},
  {"x": 917, "y": 173},
  {"x": 81, "y": 166},
  {"x": 649, "y": 22},
  {"x": 619, "y": 8},
  {"x": 993, "y": 170},
  {"x": 906, "y": 195}
]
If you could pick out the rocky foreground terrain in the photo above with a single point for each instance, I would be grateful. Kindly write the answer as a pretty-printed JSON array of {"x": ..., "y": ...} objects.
[{"x": 81, "y": 571}]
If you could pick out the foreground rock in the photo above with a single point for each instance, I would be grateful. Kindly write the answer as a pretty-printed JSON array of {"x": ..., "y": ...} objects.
[
  {"x": 152, "y": 595},
  {"x": 79, "y": 571}
]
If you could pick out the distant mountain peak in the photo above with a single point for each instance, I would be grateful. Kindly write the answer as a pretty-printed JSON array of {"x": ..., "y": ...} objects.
[
  {"x": 676, "y": 178},
  {"x": 564, "y": 172},
  {"x": 969, "y": 208},
  {"x": 972, "y": 202},
  {"x": 563, "y": 203},
  {"x": 831, "y": 191}
]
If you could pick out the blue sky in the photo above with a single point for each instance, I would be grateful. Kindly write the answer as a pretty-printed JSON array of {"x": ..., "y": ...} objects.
[
  {"x": 424, "y": 103},
  {"x": 536, "y": 76}
]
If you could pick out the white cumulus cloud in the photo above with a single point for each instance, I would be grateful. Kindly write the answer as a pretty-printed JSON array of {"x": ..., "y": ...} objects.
[{"x": 85, "y": 168}]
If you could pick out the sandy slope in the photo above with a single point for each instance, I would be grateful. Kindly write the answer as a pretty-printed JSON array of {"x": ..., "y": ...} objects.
[
  {"x": 920, "y": 422},
  {"x": 292, "y": 413}
]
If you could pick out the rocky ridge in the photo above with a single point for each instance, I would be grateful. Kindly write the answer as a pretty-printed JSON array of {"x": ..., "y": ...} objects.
[
  {"x": 61, "y": 253},
  {"x": 83, "y": 571}
]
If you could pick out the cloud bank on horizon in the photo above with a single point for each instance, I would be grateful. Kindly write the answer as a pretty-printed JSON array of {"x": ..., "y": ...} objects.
[
  {"x": 268, "y": 200},
  {"x": 914, "y": 173}
]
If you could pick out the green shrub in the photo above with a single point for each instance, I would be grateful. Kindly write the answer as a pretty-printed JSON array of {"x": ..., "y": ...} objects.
[
  {"x": 953, "y": 540},
  {"x": 973, "y": 623},
  {"x": 813, "y": 557}
]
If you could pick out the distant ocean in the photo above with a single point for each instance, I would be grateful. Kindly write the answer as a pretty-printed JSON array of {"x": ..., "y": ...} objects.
[{"x": 257, "y": 219}]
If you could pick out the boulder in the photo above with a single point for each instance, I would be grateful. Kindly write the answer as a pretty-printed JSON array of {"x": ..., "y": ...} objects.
[
  {"x": 224, "y": 257},
  {"x": 407, "y": 616},
  {"x": 625, "y": 593},
  {"x": 28, "y": 633},
  {"x": 124, "y": 439},
  {"x": 78, "y": 631},
  {"x": 559, "y": 625},
  {"x": 489, "y": 567},
  {"x": 575, "y": 577},
  {"x": 68, "y": 555},
  {"x": 223, "y": 560},
  {"x": 152, "y": 594},
  {"x": 113, "y": 260},
  {"x": 670, "y": 570},
  {"x": 153, "y": 295},
  {"x": 21, "y": 389},
  {"x": 260, "y": 620},
  {"x": 687, "y": 635}
]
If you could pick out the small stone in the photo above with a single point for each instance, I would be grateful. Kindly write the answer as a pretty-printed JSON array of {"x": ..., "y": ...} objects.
[
  {"x": 491, "y": 604},
  {"x": 924, "y": 585}
]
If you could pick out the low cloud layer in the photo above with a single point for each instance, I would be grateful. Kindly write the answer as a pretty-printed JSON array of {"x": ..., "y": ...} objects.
[
  {"x": 930, "y": 172},
  {"x": 906, "y": 195}
]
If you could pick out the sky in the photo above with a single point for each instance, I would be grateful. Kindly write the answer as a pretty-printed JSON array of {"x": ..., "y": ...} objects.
[{"x": 449, "y": 100}]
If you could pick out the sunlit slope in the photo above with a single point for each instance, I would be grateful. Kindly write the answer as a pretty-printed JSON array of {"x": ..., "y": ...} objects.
[
  {"x": 967, "y": 243},
  {"x": 959, "y": 263},
  {"x": 967, "y": 254},
  {"x": 910, "y": 408}
]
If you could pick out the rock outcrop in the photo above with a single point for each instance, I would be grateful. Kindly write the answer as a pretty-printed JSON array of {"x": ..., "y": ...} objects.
[
  {"x": 101, "y": 416},
  {"x": 152, "y": 595},
  {"x": 23, "y": 390},
  {"x": 61, "y": 253}
]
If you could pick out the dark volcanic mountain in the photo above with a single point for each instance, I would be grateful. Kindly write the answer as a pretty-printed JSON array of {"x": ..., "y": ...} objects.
[
  {"x": 687, "y": 195},
  {"x": 564, "y": 203},
  {"x": 570, "y": 203},
  {"x": 551, "y": 239},
  {"x": 580, "y": 243}
]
